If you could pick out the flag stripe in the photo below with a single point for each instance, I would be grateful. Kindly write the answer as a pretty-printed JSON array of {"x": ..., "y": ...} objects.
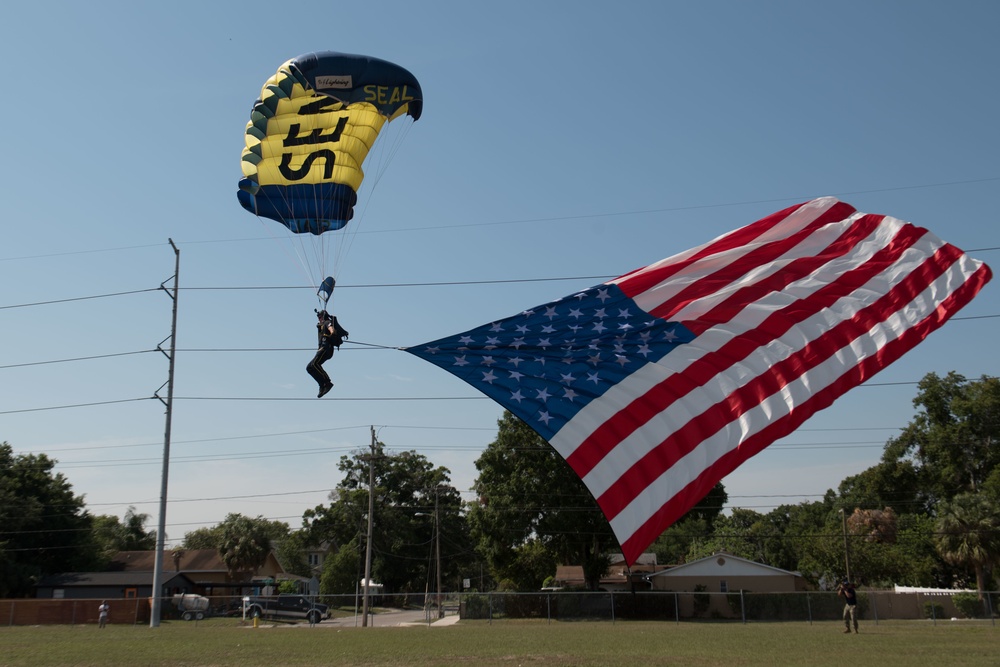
[
  {"x": 745, "y": 337},
  {"x": 682, "y": 495},
  {"x": 827, "y": 352},
  {"x": 730, "y": 251}
]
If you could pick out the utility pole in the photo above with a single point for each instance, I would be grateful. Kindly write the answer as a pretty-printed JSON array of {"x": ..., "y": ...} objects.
[
  {"x": 847, "y": 554},
  {"x": 437, "y": 550},
  {"x": 161, "y": 527},
  {"x": 368, "y": 543}
]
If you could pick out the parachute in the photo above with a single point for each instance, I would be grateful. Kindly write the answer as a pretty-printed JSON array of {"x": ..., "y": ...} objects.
[{"x": 310, "y": 132}]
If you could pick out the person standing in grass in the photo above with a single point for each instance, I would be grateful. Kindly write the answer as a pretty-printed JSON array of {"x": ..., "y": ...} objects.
[
  {"x": 846, "y": 591},
  {"x": 102, "y": 614}
]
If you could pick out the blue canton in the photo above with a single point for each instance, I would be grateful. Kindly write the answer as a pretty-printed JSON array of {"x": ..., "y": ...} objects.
[{"x": 547, "y": 363}]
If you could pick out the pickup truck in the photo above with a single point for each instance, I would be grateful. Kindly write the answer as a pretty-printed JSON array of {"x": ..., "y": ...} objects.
[{"x": 287, "y": 606}]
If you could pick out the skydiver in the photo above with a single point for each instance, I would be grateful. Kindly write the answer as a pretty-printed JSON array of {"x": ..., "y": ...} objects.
[{"x": 331, "y": 335}]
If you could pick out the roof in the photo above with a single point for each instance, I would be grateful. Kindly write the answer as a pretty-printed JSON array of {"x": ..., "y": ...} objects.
[
  {"x": 724, "y": 563},
  {"x": 96, "y": 579},
  {"x": 191, "y": 560}
]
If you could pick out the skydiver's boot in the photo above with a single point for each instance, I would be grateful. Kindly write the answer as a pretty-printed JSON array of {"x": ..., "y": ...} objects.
[{"x": 325, "y": 389}]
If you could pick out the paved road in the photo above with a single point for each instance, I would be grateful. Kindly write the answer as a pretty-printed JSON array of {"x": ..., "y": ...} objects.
[{"x": 391, "y": 618}]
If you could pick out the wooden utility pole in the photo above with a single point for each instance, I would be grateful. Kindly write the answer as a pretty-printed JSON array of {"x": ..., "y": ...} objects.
[{"x": 368, "y": 543}]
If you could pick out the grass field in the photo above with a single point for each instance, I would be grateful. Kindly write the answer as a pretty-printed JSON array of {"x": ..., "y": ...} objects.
[{"x": 507, "y": 644}]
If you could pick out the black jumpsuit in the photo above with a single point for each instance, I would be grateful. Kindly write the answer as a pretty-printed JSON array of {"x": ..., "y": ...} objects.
[{"x": 330, "y": 335}]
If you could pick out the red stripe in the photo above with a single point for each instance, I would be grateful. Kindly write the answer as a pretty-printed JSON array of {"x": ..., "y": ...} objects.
[
  {"x": 792, "y": 272},
  {"x": 685, "y": 439},
  {"x": 646, "y": 279},
  {"x": 607, "y": 436},
  {"x": 685, "y": 499}
]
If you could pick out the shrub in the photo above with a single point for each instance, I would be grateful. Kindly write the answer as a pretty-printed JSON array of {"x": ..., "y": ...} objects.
[
  {"x": 932, "y": 610},
  {"x": 968, "y": 604}
]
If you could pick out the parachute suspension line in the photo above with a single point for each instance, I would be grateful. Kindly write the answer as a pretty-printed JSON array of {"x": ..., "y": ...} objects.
[{"x": 391, "y": 138}]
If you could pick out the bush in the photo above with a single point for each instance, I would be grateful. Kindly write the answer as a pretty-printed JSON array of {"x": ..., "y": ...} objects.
[
  {"x": 932, "y": 610},
  {"x": 968, "y": 604}
]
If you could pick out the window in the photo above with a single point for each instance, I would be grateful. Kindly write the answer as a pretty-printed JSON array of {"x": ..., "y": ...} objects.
[
  {"x": 313, "y": 560},
  {"x": 723, "y": 586}
]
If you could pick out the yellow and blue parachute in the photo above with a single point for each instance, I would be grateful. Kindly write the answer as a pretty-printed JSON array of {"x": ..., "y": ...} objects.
[{"x": 310, "y": 132}]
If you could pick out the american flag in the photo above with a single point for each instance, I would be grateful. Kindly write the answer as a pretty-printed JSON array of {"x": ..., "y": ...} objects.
[{"x": 657, "y": 384}]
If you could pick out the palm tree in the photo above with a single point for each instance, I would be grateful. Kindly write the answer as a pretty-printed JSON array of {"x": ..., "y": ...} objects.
[
  {"x": 968, "y": 534},
  {"x": 243, "y": 545}
]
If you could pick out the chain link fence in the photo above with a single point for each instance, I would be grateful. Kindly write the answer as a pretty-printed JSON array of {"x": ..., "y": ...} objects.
[{"x": 552, "y": 606}]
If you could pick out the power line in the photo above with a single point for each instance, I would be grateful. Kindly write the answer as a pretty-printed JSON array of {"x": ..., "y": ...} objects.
[{"x": 563, "y": 218}]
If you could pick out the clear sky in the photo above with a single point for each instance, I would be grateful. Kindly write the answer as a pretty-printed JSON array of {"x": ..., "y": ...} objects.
[{"x": 562, "y": 143}]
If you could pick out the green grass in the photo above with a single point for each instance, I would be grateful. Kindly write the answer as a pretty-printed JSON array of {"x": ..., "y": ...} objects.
[{"x": 509, "y": 643}]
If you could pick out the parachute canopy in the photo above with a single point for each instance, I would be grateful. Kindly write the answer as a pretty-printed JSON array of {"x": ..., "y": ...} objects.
[{"x": 310, "y": 131}]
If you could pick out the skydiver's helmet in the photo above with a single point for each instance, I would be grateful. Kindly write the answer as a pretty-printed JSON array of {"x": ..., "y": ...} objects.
[{"x": 323, "y": 315}]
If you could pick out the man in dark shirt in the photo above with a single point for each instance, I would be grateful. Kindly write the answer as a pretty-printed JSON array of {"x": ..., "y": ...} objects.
[
  {"x": 330, "y": 335},
  {"x": 846, "y": 591}
]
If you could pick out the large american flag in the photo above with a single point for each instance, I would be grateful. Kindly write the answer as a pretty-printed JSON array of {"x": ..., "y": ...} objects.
[{"x": 657, "y": 384}]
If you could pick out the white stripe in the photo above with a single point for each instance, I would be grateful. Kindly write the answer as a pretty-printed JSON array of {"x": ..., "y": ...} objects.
[
  {"x": 669, "y": 288},
  {"x": 759, "y": 362},
  {"x": 777, "y": 406}
]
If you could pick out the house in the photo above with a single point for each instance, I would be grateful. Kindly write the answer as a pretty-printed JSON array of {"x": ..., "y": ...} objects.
[
  {"x": 619, "y": 576},
  {"x": 109, "y": 585},
  {"x": 725, "y": 573},
  {"x": 205, "y": 568}
]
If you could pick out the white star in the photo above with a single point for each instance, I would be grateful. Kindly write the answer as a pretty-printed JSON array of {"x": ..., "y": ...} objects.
[
  {"x": 460, "y": 361},
  {"x": 516, "y": 361},
  {"x": 599, "y": 327},
  {"x": 624, "y": 313},
  {"x": 493, "y": 341},
  {"x": 624, "y": 326},
  {"x": 594, "y": 359},
  {"x": 544, "y": 343},
  {"x": 621, "y": 360},
  {"x": 644, "y": 350},
  {"x": 600, "y": 313},
  {"x": 521, "y": 328},
  {"x": 516, "y": 376},
  {"x": 548, "y": 328},
  {"x": 568, "y": 378},
  {"x": 517, "y": 343},
  {"x": 569, "y": 394},
  {"x": 465, "y": 340},
  {"x": 432, "y": 350},
  {"x": 592, "y": 377},
  {"x": 517, "y": 396},
  {"x": 576, "y": 313},
  {"x": 670, "y": 336},
  {"x": 550, "y": 312},
  {"x": 543, "y": 394},
  {"x": 487, "y": 361},
  {"x": 603, "y": 295},
  {"x": 544, "y": 417},
  {"x": 489, "y": 376},
  {"x": 496, "y": 327}
]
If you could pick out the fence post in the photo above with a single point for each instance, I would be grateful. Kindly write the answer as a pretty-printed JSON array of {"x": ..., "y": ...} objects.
[
  {"x": 743, "y": 608},
  {"x": 12, "y": 613},
  {"x": 612, "y": 595},
  {"x": 548, "y": 607},
  {"x": 809, "y": 609},
  {"x": 874, "y": 597},
  {"x": 489, "y": 599},
  {"x": 677, "y": 610}
]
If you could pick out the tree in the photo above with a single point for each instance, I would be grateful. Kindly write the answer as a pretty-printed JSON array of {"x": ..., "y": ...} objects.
[
  {"x": 244, "y": 544},
  {"x": 968, "y": 534},
  {"x": 130, "y": 534},
  {"x": 952, "y": 442},
  {"x": 45, "y": 527},
  {"x": 411, "y": 496},
  {"x": 527, "y": 492}
]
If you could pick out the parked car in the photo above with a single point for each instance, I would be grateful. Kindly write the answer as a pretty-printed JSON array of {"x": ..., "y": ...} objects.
[{"x": 287, "y": 606}]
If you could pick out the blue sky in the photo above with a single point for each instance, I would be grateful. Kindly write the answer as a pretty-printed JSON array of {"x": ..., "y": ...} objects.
[{"x": 561, "y": 143}]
